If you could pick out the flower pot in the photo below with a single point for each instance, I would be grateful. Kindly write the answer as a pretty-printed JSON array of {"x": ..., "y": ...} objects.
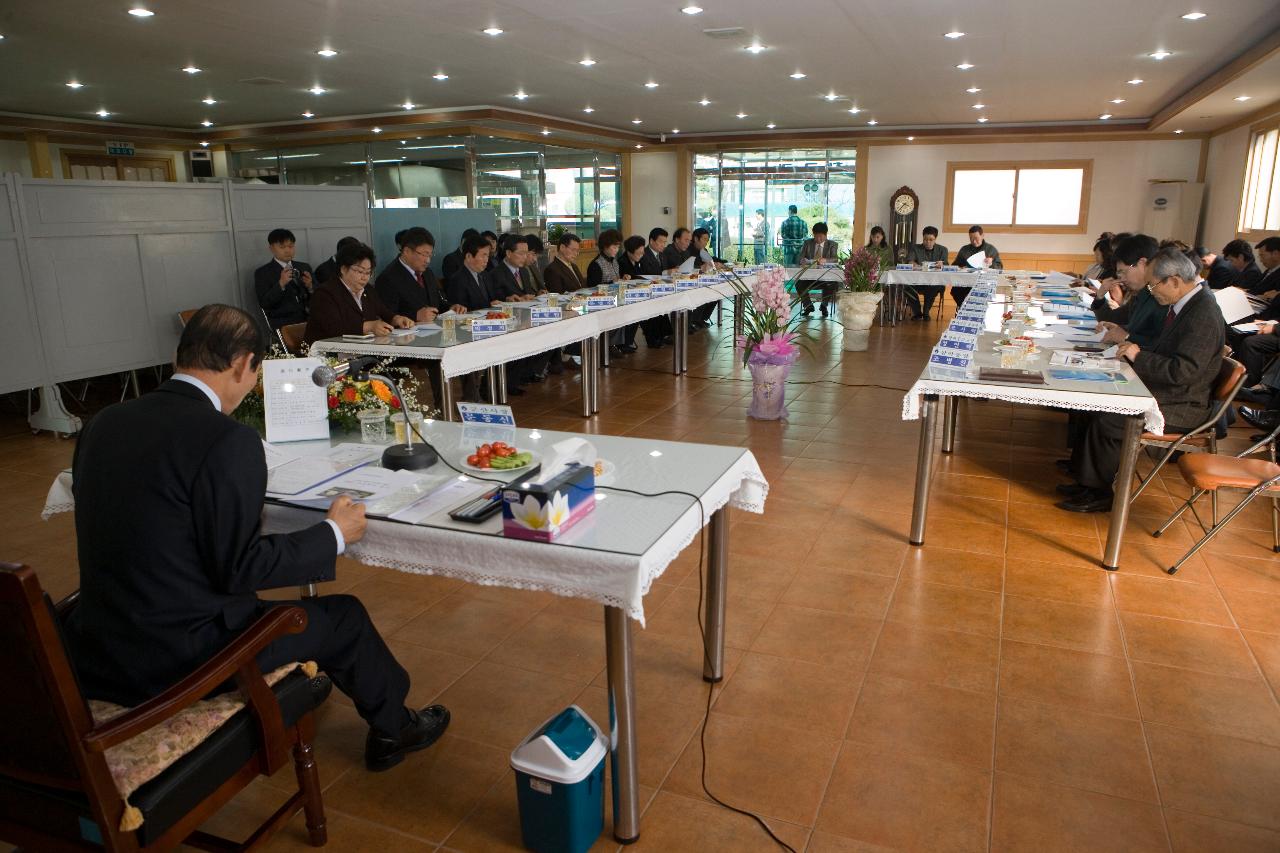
[
  {"x": 857, "y": 313},
  {"x": 768, "y": 391}
]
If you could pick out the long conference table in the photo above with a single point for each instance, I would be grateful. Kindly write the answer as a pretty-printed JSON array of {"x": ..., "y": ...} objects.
[
  {"x": 936, "y": 390},
  {"x": 612, "y": 557},
  {"x": 460, "y": 353}
]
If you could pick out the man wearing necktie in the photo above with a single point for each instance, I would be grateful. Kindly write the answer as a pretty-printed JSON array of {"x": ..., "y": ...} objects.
[
  {"x": 408, "y": 286},
  {"x": 283, "y": 285}
]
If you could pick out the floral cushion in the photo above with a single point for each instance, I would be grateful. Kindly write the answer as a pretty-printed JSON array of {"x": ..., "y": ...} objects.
[{"x": 144, "y": 757}]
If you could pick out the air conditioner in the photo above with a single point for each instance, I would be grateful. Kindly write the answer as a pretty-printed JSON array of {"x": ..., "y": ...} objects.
[
  {"x": 201, "y": 163},
  {"x": 1173, "y": 210}
]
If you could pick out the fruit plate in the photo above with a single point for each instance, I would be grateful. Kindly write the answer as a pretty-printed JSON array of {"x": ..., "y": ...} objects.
[{"x": 533, "y": 460}]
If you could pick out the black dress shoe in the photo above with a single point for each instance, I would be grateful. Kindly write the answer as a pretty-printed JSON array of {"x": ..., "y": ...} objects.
[
  {"x": 657, "y": 344},
  {"x": 1063, "y": 465},
  {"x": 1091, "y": 500},
  {"x": 1263, "y": 419},
  {"x": 808, "y": 309},
  {"x": 515, "y": 391},
  {"x": 629, "y": 348},
  {"x": 382, "y": 752},
  {"x": 556, "y": 366},
  {"x": 1071, "y": 490}
]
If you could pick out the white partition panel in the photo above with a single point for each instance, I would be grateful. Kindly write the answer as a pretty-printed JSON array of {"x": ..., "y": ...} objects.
[{"x": 23, "y": 356}]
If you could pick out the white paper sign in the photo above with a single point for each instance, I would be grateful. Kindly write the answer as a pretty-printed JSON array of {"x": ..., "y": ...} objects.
[{"x": 296, "y": 409}]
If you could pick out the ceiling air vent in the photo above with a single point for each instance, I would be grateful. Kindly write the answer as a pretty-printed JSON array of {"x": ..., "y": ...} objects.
[
  {"x": 261, "y": 81},
  {"x": 724, "y": 32}
]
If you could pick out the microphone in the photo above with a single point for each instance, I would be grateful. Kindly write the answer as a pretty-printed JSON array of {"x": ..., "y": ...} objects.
[{"x": 324, "y": 375}]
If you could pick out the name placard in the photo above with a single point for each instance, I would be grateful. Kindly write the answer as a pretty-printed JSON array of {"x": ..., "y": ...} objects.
[
  {"x": 636, "y": 294},
  {"x": 950, "y": 268},
  {"x": 599, "y": 303},
  {"x": 965, "y": 328},
  {"x": 543, "y": 316},
  {"x": 484, "y": 413},
  {"x": 903, "y": 267},
  {"x": 662, "y": 288},
  {"x": 488, "y": 328},
  {"x": 685, "y": 284}
]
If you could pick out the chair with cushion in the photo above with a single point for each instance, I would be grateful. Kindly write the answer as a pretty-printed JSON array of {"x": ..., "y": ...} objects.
[
  {"x": 1204, "y": 437},
  {"x": 184, "y": 317},
  {"x": 291, "y": 338},
  {"x": 1208, "y": 472},
  {"x": 80, "y": 775}
]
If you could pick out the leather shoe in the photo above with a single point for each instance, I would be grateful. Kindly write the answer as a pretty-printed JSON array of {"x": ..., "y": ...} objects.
[
  {"x": 808, "y": 309},
  {"x": 1091, "y": 500},
  {"x": 556, "y": 366},
  {"x": 1263, "y": 419},
  {"x": 1071, "y": 490},
  {"x": 382, "y": 752}
]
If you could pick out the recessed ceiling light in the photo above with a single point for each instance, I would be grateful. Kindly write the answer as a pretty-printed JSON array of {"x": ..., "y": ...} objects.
[
  {"x": 1136, "y": 81},
  {"x": 1104, "y": 116},
  {"x": 440, "y": 76},
  {"x": 831, "y": 96},
  {"x": 402, "y": 142},
  {"x": 191, "y": 69},
  {"x": 139, "y": 12},
  {"x": 209, "y": 101},
  {"x": 651, "y": 85},
  {"x": 588, "y": 62},
  {"x": 704, "y": 102},
  {"x": 742, "y": 115},
  {"x": 204, "y": 145},
  {"x": 1179, "y": 130},
  {"x": 754, "y": 47},
  {"x": 102, "y": 113},
  {"x": 206, "y": 123},
  {"x": 1243, "y": 97},
  {"x": 546, "y": 132},
  {"x": 954, "y": 34},
  {"x": 636, "y": 120},
  {"x": 855, "y": 110},
  {"x": 326, "y": 52},
  {"x": 317, "y": 90},
  {"x": 520, "y": 96},
  {"x": 872, "y": 122},
  {"x": 638, "y": 145},
  {"x": 692, "y": 10},
  {"x": 979, "y": 106},
  {"x": 911, "y": 139},
  {"x": 965, "y": 66},
  {"x": 799, "y": 75},
  {"x": 493, "y": 31},
  {"x": 771, "y": 125},
  {"x": 1161, "y": 54},
  {"x": 375, "y": 130},
  {"x": 973, "y": 90},
  {"x": 74, "y": 84},
  {"x": 308, "y": 114},
  {"x": 675, "y": 130},
  {"x": 588, "y": 109},
  {"x": 1193, "y": 16},
  {"x": 408, "y": 105},
  {"x": 1117, "y": 100},
  {"x": 982, "y": 119}
]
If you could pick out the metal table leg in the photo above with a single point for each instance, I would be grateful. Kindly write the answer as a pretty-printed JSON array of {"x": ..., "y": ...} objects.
[
  {"x": 496, "y": 387},
  {"x": 622, "y": 726},
  {"x": 446, "y": 397},
  {"x": 949, "y": 423},
  {"x": 924, "y": 468},
  {"x": 603, "y": 343},
  {"x": 501, "y": 396},
  {"x": 1120, "y": 503},
  {"x": 597, "y": 347},
  {"x": 307, "y": 590},
  {"x": 588, "y": 375},
  {"x": 680, "y": 332},
  {"x": 717, "y": 588}
]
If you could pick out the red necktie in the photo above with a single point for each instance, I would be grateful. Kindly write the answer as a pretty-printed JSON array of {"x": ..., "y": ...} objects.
[
  {"x": 421, "y": 282},
  {"x": 1168, "y": 319}
]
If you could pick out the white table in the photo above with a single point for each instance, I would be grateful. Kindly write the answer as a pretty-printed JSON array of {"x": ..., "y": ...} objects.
[
  {"x": 612, "y": 557},
  {"x": 891, "y": 279},
  {"x": 1131, "y": 399}
]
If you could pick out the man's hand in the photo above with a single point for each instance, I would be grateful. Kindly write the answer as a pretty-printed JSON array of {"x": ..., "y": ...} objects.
[
  {"x": 286, "y": 276},
  {"x": 458, "y": 309},
  {"x": 1268, "y": 327},
  {"x": 349, "y": 517},
  {"x": 376, "y": 327},
  {"x": 427, "y": 315},
  {"x": 306, "y": 279},
  {"x": 1113, "y": 333},
  {"x": 1128, "y": 352},
  {"x": 401, "y": 322},
  {"x": 1113, "y": 288}
]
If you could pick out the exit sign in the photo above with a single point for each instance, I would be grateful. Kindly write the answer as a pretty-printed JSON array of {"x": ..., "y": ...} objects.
[{"x": 123, "y": 149}]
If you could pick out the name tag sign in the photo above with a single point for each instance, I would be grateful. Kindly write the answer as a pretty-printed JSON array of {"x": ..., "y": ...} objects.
[
  {"x": 543, "y": 316},
  {"x": 662, "y": 288},
  {"x": 487, "y": 328},
  {"x": 948, "y": 363},
  {"x": 959, "y": 343},
  {"x": 686, "y": 284},
  {"x": 709, "y": 279},
  {"x": 482, "y": 413},
  {"x": 599, "y": 303},
  {"x": 930, "y": 266},
  {"x": 903, "y": 267},
  {"x": 636, "y": 294},
  {"x": 950, "y": 268},
  {"x": 963, "y": 328}
]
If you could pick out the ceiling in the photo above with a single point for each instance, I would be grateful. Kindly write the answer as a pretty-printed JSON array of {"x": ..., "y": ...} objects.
[{"x": 1035, "y": 61}]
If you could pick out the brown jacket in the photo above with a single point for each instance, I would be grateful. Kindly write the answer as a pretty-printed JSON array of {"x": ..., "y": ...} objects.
[
  {"x": 563, "y": 278},
  {"x": 334, "y": 312}
]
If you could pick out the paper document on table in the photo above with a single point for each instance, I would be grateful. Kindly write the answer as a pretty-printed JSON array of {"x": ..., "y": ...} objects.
[
  {"x": 1234, "y": 304},
  {"x": 277, "y": 456},
  {"x": 687, "y": 266},
  {"x": 1037, "y": 333},
  {"x": 1246, "y": 328},
  {"x": 428, "y": 327},
  {"x": 442, "y": 498},
  {"x": 294, "y": 407},
  {"x": 977, "y": 260},
  {"x": 381, "y": 490},
  {"x": 306, "y": 472},
  {"x": 1091, "y": 337}
]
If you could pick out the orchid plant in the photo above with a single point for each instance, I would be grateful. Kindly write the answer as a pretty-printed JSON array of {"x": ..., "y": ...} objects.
[
  {"x": 862, "y": 271},
  {"x": 769, "y": 329}
]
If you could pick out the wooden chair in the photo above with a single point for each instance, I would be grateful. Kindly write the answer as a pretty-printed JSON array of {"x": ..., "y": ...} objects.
[
  {"x": 56, "y": 791},
  {"x": 291, "y": 338},
  {"x": 184, "y": 317}
]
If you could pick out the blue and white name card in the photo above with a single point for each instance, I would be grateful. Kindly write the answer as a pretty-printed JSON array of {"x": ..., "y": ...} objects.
[
  {"x": 543, "y": 316},
  {"x": 485, "y": 413},
  {"x": 688, "y": 284},
  {"x": 662, "y": 288},
  {"x": 708, "y": 279},
  {"x": 950, "y": 268},
  {"x": 964, "y": 328},
  {"x": 904, "y": 266},
  {"x": 600, "y": 303},
  {"x": 636, "y": 294},
  {"x": 481, "y": 328}
]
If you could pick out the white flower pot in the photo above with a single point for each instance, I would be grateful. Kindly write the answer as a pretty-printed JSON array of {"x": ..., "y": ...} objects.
[{"x": 857, "y": 313}]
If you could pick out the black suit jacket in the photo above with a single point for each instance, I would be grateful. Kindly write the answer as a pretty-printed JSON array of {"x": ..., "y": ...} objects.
[
  {"x": 1269, "y": 281},
  {"x": 465, "y": 290},
  {"x": 502, "y": 284},
  {"x": 563, "y": 278},
  {"x": 673, "y": 257},
  {"x": 401, "y": 294},
  {"x": 282, "y": 305},
  {"x": 1247, "y": 278},
  {"x": 650, "y": 263},
  {"x": 169, "y": 495},
  {"x": 626, "y": 267},
  {"x": 1221, "y": 274},
  {"x": 325, "y": 270},
  {"x": 334, "y": 311},
  {"x": 1182, "y": 365},
  {"x": 451, "y": 263}
]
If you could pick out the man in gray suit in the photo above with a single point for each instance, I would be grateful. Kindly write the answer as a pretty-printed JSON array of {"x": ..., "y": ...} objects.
[
  {"x": 818, "y": 248},
  {"x": 1179, "y": 369}
]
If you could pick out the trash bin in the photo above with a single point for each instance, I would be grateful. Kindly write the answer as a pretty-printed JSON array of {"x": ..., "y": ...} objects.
[{"x": 560, "y": 783}]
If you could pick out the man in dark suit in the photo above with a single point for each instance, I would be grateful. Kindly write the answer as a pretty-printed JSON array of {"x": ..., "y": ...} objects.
[
  {"x": 283, "y": 285},
  {"x": 816, "y": 250},
  {"x": 1246, "y": 275},
  {"x": 328, "y": 269},
  {"x": 346, "y": 305},
  {"x": 1179, "y": 370},
  {"x": 562, "y": 274},
  {"x": 453, "y": 261},
  {"x": 657, "y": 331},
  {"x": 469, "y": 286},
  {"x": 169, "y": 493},
  {"x": 674, "y": 256},
  {"x": 1220, "y": 271}
]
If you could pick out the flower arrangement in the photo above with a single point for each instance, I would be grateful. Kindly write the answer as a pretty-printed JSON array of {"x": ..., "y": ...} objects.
[
  {"x": 347, "y": 397},
  {"x": 862, "y": 271},
  {"x": 769, "y": 335}
]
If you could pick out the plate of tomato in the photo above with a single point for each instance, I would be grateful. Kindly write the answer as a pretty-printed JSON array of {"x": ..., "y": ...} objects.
[{"x": 499, "y": 456}]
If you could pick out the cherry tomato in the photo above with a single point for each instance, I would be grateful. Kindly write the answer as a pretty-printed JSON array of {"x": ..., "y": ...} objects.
[
  {"x": 483, "y": 450},
  {"x": 485, "y": 463},
  {"x": 504, "y": 452},
  {"x": 473, "y": 459},
  {"x": 498, "y": 444}
]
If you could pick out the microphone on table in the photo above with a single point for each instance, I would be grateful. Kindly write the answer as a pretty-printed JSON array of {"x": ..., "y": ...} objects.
[
  {"x": 397, "y": 457},
  {"x": 324, "y": 375}
]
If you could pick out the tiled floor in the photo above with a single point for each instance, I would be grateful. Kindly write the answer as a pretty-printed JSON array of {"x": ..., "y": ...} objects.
[{"x": 992, "y": 690}]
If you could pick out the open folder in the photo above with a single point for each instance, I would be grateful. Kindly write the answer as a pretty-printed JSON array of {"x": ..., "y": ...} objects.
[{"x": 1234, "y": 304}]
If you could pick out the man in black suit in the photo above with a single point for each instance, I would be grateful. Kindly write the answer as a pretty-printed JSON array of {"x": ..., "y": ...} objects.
[
  {"x": 453, "y": 261},
  {"x": 469, "y": 286},
  {"x": 169, "y": 494},
  {"x": 328, "y": 269},
  {"x": 674, "y": 256},
  {"x": 1179, "y": 369},
  {"x": 408, "y": 286},
  {"x": 657, "y": 331},
  {"x": 283, "y": 285},
  {"x": 1246, "y": 275}
]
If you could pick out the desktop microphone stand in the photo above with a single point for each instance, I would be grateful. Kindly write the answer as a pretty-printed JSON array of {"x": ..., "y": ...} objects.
[{"x": 407, "y": 456}]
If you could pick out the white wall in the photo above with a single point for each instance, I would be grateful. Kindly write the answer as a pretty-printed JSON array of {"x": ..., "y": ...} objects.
[
  {"x": 1224, "y": 180},
  {"x": 1121, "y": 171},
  {"x": 13, "y": 157},
  {"x": 653, "y": 187}
]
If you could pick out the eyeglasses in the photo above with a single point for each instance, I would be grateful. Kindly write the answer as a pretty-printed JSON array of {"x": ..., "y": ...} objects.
[
  {"x": 361, "y": 272},
  {"x": 1153, "y": 285},
  {"x": 422, "y": 253}
]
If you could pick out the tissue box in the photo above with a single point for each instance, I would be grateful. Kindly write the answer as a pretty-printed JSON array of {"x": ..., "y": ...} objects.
[{"x": 542, "y": 512}]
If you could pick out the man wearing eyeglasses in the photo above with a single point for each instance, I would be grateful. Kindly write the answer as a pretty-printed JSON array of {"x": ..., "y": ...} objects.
[
  {"x": 408, "y": 286},
  {"x": 1179, "y": 369}
]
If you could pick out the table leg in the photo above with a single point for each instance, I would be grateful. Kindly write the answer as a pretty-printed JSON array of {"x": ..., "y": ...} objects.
[
  {"x": 492, "y": 373},
  {"x": 1120, "y": 503},
  {"x": 588, "y": 375},
  {"x": 717, "y": 588},
  {"x": 500, "y": 396},
  {"x": 949, "y": 423},
  {"x": 924, "y": 468},
  {"x": 307, "y": 590},
  {"x": 597, "y": 346},
  {"x": 622, "y": 726},
  {"x": 603, "y": 344},
  {"x": 739, "y": 311},
  {"x": 680, "y": 332},
  {"x": 446, "y": 397}
]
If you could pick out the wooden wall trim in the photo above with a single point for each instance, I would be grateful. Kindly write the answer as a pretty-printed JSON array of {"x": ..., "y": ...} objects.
[
  {"x": 861, "y": 192},
  {"x": 684, "y": 187},
  {"x": 1242, "y": 64},
  {"x": 38, "y": 154}
]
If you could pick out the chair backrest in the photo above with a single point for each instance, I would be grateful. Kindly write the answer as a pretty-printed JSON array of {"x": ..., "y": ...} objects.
[
  {"x": 184, "y": 317},
  {"x": 1230, "y": 377},
  {"x": 291, "y": 337}
]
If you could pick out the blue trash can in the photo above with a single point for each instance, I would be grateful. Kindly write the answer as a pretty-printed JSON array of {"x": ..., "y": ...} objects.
[{"x": 560, "y": 783}]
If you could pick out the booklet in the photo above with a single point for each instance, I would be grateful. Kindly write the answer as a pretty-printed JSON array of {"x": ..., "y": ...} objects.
[{"x": 303, "y": 473}]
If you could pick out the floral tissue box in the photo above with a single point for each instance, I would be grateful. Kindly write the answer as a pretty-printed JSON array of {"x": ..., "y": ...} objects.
[{"x": 542, "y": 512}]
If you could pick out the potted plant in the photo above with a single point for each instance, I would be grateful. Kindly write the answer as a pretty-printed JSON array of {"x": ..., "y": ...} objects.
[
  {"x": 768, "y": 341},
  {"x": 859, "y": 296}
]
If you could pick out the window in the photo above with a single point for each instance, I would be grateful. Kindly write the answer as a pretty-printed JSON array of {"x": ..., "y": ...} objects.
[
  {"x": 1260, "y": 205},
  {"x": 1032, "y": 197}
]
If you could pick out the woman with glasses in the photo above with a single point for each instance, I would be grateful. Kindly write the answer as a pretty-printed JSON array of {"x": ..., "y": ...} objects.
[{"x": 347, "y": 305}]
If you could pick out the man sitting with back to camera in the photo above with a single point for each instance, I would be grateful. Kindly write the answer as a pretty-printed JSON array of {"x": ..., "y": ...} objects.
[{"x": 169, "y": 493}]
